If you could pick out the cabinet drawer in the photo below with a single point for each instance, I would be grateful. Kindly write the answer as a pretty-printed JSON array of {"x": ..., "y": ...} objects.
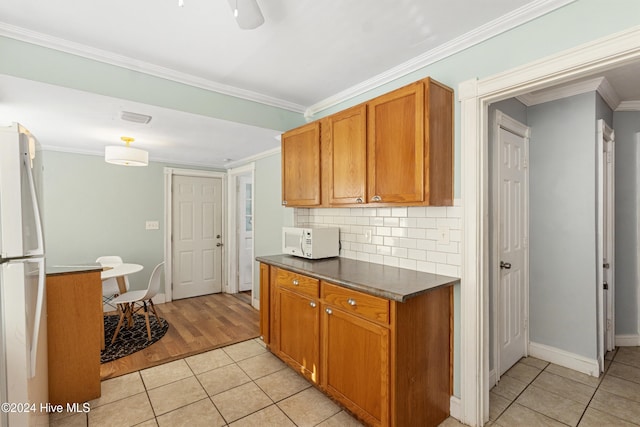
[
  {"x": 297, "y": 283},
  {"x": 365, "y": 305}
]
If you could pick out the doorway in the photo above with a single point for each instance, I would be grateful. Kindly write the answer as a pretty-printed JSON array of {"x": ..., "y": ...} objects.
[
  {"x": 475, "y": 95},
  {"x": 241, "y": 243},
  {"x": 605, "y": 240},
  {"x": 194, "y": 241},
  {"x": 510, "y": 254}
]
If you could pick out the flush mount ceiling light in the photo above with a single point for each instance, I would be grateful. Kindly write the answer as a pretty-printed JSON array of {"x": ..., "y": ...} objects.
[{"x": 126, "y": 156}]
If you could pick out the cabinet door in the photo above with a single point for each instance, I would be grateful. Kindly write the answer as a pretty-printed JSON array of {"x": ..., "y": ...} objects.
[
  {"x": 395, "y": 135},
  {"x": 298, "y": 330},
  {"x": 355, "y": 364},
  {"x": 264, "y": 303},
  {"x": 301, "y": 166},
  {"x": 347, "y": 168}
]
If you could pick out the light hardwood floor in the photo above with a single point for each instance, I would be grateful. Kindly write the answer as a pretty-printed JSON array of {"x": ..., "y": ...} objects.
[{"x": 195, "y": 325}]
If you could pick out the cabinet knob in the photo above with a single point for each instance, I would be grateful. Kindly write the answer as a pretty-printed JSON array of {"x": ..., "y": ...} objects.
[
  {"x": 284, "y": 202},
  {"x": 351, "y": 302},
  {"x": 376, "y": 199},
  {"x": 295, "y": 282},
  {"x": 313, "y": 304},
  {"x": 328, "y": 310},
  {"x": 359, "y": 200}
]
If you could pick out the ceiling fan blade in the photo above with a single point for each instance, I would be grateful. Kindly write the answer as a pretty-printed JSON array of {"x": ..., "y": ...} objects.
[{"x": 249, "y": 15}]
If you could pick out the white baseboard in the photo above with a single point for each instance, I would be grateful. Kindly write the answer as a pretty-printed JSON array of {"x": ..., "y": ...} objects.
[
  {"x": 454, "y": 407},
  {"x": 565, "y": 358},
  {"x": 255, "y": 303},
  {"x": 492, "y": 378},
  {"x": 627, "y": 340}
]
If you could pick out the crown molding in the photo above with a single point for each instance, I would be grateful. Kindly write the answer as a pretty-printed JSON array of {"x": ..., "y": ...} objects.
[
  {"x": 505, "y": 23},
  {"x": 78, "y": 49},
  {"x": 253, "y": 158},
  {"x": 600, "y": 85},
  {"x": 629, "y": 106}
]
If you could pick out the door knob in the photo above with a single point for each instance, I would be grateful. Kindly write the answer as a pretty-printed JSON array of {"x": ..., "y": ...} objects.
[
  {"x": 218, "y": 244},
  {"x": 505, "y": 265}
]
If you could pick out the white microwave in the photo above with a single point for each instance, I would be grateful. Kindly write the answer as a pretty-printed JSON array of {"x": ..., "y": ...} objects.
[{"x": 311, "y": 243}]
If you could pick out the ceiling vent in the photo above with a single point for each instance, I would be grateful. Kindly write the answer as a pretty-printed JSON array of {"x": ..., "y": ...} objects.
[{"x": 135, "y": 117}]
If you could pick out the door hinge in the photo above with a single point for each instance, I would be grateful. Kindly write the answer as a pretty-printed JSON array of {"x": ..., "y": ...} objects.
[
  {"x": 525, "y": 162},
  {"x": 605, "y": 265},
  {"x": 608, "y": 324},
  {"x": 605, "y": 286}
]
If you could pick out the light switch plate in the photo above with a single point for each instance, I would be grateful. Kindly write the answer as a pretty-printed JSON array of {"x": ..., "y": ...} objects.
[{"x": 152, "y": 225}]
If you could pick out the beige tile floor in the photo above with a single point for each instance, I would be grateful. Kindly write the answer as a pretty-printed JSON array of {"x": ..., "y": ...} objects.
[{"x": 244, "y": 385}]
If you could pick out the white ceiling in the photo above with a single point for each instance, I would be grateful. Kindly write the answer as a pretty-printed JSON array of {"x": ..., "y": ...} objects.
[{"x": 306, "y": 52}]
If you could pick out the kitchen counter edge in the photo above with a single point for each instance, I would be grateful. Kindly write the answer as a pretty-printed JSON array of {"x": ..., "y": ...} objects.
[
  {"x": 394, "y": 283},
  {"x": 72, "y": 269}
]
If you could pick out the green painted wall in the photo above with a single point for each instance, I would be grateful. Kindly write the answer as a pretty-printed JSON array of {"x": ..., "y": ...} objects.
[
  {"x": 92, "y": 208},
  {"x": 269, "y": 215}
]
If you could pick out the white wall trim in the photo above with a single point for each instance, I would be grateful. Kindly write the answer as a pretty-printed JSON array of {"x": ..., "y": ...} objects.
[
  {"x": 565, "y": 358},
  {"x": 627, "y": 340},
  {"x": 232, "y": 208},
  {"x": 493, "y": 380},
  {"x": 637, "y": 230},
  {"x": 600, "y": 85},
  {"x": 454, "y": 407},
  {"x": 629, "y": 106},
  {"x": 475, "y": 95},
  {"x": 168, "y": 220},
  {"x": 498, "y": 26},
  {"x": 134, "y": 64},
  {"x": 255, "y": 157}
]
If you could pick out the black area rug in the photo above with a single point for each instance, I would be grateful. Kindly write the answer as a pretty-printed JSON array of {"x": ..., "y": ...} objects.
[{"x": 132, "y": 339}]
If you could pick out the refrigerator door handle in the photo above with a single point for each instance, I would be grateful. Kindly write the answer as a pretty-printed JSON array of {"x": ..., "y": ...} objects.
[
  {"x": 34, "y": 202},
  {"x": 38, "y": 317}
]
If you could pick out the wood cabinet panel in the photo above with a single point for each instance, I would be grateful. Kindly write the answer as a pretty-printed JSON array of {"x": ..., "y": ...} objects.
[
  {"x": 74, "y": 331},
  {"x": 355, "y": 367},
  {"x": 264, "y": 303},
  {"x": 395, "y": 144},
  {"x": 298, "y": 330},
  {"x": 301, "y": 166},
  {"x": 369, "y": 306},
  {"x": 297, "y": 282},
  {"x": 347, "y": 153}
]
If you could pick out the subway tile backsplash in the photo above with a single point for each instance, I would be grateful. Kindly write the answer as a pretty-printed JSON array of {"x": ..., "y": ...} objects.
[{"x": 418, "y": 238}]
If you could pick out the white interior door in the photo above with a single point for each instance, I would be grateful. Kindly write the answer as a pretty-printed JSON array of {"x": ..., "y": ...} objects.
[
  {"x": 245, "y": 233},
  {"x": 197, "y": 236},
  {"x": 513, "y": 276},
  {"x": 605, "y": 240}
]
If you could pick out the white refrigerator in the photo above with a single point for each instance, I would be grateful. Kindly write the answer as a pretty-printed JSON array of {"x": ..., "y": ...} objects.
[{"x": 23, "y": 299}]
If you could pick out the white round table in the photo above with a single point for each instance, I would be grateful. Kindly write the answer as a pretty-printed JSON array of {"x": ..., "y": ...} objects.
[{"x": 119, "y": 271}]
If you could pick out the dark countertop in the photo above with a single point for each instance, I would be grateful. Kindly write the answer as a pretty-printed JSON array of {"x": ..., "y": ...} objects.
[
  {"x": 70, "y": 269},
  {"x": 398, "y": 284}
]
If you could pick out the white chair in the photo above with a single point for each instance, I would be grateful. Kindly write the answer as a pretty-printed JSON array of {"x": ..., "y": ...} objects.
[
  {"x": 110, "y": 288},
  {"x": 128, "y": 300}
]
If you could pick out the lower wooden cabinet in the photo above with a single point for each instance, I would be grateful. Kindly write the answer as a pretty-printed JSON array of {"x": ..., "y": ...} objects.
[
  {"x": 297, "y": 328},
  {"x": 355, "y": 364},
  {"x": 75, "y": 330},
  {"x": 387, "y": 362}
]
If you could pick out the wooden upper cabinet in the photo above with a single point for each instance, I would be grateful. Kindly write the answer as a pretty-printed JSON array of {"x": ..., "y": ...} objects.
[
  {"x": 301, "y": 166},
  {"x": 394, "y": 150},
  {"x": 396, "y": 146},
  {"x": 346, "y": 150}
]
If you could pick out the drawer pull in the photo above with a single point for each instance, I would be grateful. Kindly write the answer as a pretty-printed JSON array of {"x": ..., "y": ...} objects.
[
  {"x": 295, "y": 282},
  {"x": 351, "y": 302},
  {"x": 328, "y": 310},
  {"x": 359, "y": 200},
  {"x": 376, "y": 199},
  {"x": 312, "y": 304}
]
